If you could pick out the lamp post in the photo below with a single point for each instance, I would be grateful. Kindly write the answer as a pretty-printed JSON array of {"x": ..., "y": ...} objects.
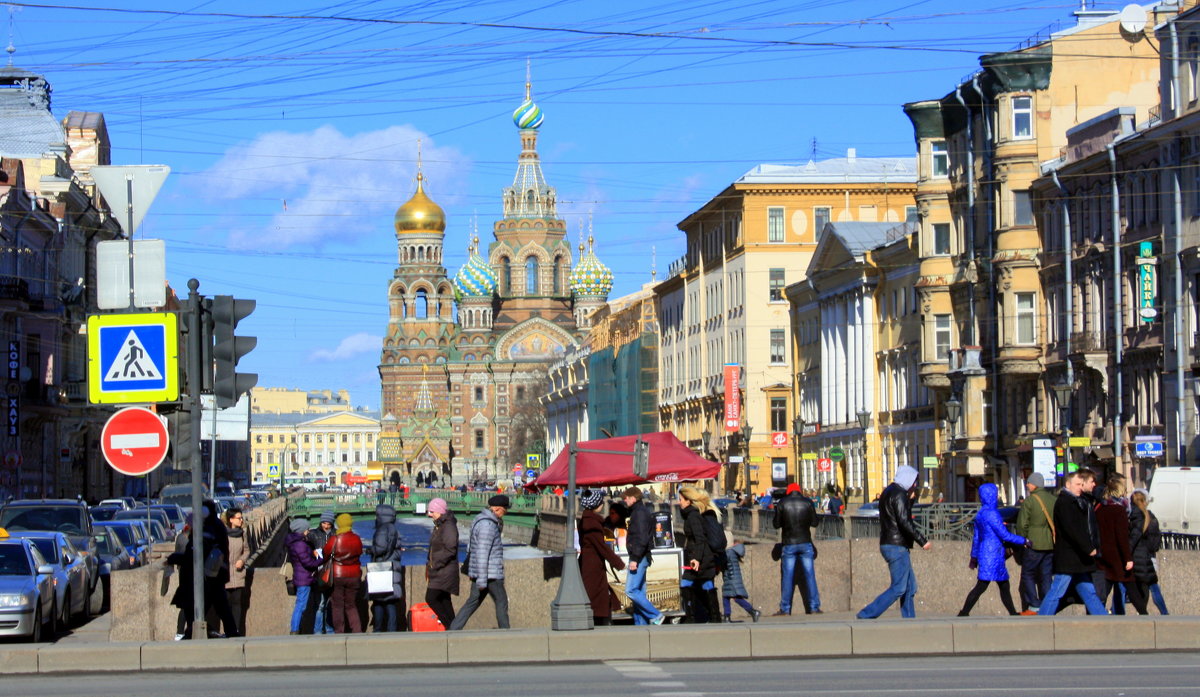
[
  {"x": 706, "y": 440},
  {"x": 798, "y": 433},
  {"x": 864, "y": 420},
  {"x": 1062, "y": 393},
  {"x": 953, "y": 411},
  {"x": 747, "y": 431}
]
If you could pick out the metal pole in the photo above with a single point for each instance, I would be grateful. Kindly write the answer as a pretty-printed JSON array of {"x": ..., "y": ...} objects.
[
  {"x": 571, "y": 609},
  {"x": 129, "y": 234},
  {"x": 195, "y": 365},
  {"x": 212, "y": 450}
]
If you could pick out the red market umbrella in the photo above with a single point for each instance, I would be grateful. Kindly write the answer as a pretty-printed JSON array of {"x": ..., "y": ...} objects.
[{"x": 670, "y": 461}]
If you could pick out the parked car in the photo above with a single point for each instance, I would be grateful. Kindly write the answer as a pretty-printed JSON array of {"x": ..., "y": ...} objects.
[
  {"x": 67, "y": 516},
  {"x": 99, "y": 513},
  {"x": 175, "y": 515},
  {"x": 165, "y": 530},
  {"x": 71, "y": 583},
  {"x": 868, "y": 510},
  {"x": 180, "y": 495},
  {"x": 26, "y": 591},
  {"x": 132, "y": 538},
  {"x": 724, "y": 503},
  {"x": 122, "y": 503},
  {"x": 113, "y": 557}
]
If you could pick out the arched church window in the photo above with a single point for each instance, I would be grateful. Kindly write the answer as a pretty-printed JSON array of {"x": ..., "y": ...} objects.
[
  {"x": 531, "y": 276},
  {"x": 505, "y": 276},
  {"x": 558, "y": 275},
  {"x": 422, "y": 309}
]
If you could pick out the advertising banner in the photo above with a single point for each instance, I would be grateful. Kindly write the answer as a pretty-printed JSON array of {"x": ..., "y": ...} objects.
[{"x": 733, "y": 404}]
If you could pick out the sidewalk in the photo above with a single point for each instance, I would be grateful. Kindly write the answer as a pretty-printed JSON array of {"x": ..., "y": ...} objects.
[{"x": 791, "y": 637}]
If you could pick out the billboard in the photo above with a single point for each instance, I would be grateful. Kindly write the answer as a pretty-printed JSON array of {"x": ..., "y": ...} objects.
[{"x": 733, "y": 404}]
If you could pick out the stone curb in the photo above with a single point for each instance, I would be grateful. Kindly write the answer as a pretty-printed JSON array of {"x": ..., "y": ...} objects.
[{"x": 891, "y": 637}]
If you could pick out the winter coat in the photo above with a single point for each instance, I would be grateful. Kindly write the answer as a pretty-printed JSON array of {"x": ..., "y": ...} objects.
[
  {"x": 987, "y": 545},
  {"x": 895, "y": 518},
  {"x": 304, "y": 564},
  {"x": 695, "y": 546},
  {"x": 1033, "y": 523},
  {"x": 795, "y": 515},
  {"x": 593, "y": 553},
  {"x": 441, "y": 566},
  {"x": 1144, "y": 545},
  {"x": 238, "y": 550},
  {"x": 1115, "y": 553},
  {"x": 486, "y": 548},
  {"x": 345, "y": 548},
  {"x": 732, "y": 585},
  {"x": 1073, "y": 544},
  {"x": 386, "y": 547},
  {"x": 318, "y": 537},
  {"x": 639, "y": 539}
]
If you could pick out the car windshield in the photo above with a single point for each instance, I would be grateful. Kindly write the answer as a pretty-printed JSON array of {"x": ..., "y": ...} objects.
[
  {"x": 104, "y": 545},
  {"x": 68, "y": 520},
  {"x": 48, "y": 548},
  {"x": 124, "y": 533},
  {"x": 100, "y": 514},
  {"x": 13, "y": 561}
]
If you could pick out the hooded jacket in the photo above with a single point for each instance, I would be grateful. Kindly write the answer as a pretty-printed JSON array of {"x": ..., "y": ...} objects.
[
  {"x": 486, "y": 548},
  {"x": 304, "y": 564},
  {"x": 987, "y": 545},
  {"x": 895, "y": 512},
  {"x": 386, "y": 547}
]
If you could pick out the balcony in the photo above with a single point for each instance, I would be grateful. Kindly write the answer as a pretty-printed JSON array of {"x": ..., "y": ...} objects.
[
  {"x": 1020, "y": 360},
  {"x": 1088, "y": 342},
  {"x": 935, "y": 375}
]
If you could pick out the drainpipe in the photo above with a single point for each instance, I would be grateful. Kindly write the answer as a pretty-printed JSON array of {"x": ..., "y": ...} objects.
[
  {"x": 1118, "y": 328},
  {"x": 1014, "y": 485},
  {"x": 1068, "y": 285},
  {"x": 970, "y": 236},
  {"x": 1176, "y": 262}
]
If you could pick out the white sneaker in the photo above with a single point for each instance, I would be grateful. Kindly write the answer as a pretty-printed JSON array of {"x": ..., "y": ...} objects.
[
  {"x": 658, "y": 620},
  {"x": 178, "y": 637}
]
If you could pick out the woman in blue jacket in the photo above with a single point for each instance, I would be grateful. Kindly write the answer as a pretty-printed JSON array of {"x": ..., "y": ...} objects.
[{"x": 987, "y": 551}]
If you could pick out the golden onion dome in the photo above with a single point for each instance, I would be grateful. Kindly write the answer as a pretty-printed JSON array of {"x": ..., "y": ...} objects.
[{"x": 420, "y": 213}]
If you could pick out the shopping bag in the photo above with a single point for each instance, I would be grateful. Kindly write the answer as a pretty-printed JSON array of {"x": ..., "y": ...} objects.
[{"x": 379, "y": 577}]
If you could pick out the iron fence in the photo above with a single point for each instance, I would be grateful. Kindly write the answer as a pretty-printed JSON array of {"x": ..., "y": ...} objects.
[{"x": 1181, "y": 541}]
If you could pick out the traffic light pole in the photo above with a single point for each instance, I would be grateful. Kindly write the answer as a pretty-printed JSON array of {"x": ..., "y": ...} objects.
[{"x": 195, "y": 368}]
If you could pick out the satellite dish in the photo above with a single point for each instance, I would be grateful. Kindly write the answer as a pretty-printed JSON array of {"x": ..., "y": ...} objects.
[{"x": 1133, "y": 21}]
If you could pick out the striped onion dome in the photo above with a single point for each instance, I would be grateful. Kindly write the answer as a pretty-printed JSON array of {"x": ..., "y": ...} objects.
[
  {"x": 590, "y": 278},
  {"x": 528, "y": 115},
  {"x": 475, "y": 278}
]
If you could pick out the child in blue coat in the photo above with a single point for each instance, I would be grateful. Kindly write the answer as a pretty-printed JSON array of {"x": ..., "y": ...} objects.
[
  {"x": 987, "y": 551},
  {"x": 733, "y": 588}
]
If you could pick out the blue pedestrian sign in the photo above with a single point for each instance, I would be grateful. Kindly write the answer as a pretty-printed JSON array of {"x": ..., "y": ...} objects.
[
  {"x": 1150, "y": 449},
  {"x": 133, "y": 358},
  {"x": 273, "y": 471}
]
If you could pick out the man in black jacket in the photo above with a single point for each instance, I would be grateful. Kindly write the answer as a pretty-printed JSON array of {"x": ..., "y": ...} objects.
[
  {"x": 795, "y": 516},
  {"x": 1074, "y": 550},
  {"x": 639, "y": 540},
  {"x": 896, "y": 537}
]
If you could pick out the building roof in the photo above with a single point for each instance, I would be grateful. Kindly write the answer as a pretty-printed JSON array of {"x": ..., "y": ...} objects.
[
  {"x": 859, "y": 237},
  {"x": 288, "y": 419},
  {"x": 27, "y": 127},
  {"x": 839, "y": 169}
]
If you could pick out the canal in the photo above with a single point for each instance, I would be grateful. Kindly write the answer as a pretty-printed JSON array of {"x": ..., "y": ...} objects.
[{"x": 414, "y": 535}]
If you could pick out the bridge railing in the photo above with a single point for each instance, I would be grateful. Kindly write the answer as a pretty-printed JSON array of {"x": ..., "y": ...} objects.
[
  {"x": 937, "y": 522},
  {"x": 458, "y": 501}
]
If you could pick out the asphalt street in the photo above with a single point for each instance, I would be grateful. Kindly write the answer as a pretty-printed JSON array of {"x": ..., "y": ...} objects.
[{"x": 1066, "y": 675}]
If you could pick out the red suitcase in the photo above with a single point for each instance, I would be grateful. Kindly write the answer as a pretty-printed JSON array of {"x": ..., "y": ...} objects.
[{"x": 421, "y": 618}]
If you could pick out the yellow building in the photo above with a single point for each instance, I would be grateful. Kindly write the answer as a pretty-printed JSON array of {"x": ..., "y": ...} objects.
[
  {"x": 282, "y": 400},
  {"x": 328, "y": 449},
  {"x": 724, "y": 303}
]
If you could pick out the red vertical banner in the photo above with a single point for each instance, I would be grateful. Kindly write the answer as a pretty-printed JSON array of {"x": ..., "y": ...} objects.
[{"x": 733, "y": 404}]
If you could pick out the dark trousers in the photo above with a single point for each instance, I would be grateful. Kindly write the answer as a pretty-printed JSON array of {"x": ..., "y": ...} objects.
[
  {"x": 439, "y": 602},
  {"x": 237, "y": 604},
  {"x": 1136, "y": 594},
  {"x": 980, "y": 587},
  {"x": 1036, "y": 570},
  {"x": 389, "y": 616},
  {"x": 344, "y": 605},
  {"x": 494, "y": 588}
]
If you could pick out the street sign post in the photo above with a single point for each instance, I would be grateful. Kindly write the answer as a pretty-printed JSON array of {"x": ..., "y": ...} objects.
[
  {"x": 134, "y": 441},
  {"x": 133, "y": 358},
  {"x": 132, "y": 188}
]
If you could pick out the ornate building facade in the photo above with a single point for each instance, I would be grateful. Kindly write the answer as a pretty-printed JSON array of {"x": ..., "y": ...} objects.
[{"x": 459, "y": 388}]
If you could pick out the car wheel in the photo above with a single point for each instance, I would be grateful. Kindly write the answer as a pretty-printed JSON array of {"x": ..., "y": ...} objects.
[
  {"x": 50, "y": 631},
  {"x": 95, "y": 602},
  {"x": 35, "y": 633}
]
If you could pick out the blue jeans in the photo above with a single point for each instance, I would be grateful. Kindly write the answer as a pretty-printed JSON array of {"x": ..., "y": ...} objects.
[
  {"x": 301, "y": 603},
  {"x": 1157, "y": 596},
  {"x": 904, "y": 585},
  {"x": 635, "y": 588},
  {"x": 322, "y": 624},
  {"x": 1083, "y": 588},
  {"x": 788, "y": 580}
]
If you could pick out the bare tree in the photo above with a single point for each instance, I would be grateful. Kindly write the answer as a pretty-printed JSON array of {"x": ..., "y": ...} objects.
[{"x": 528, "y": 425}]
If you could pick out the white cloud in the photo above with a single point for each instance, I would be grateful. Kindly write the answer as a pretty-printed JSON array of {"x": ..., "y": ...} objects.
[
  {"x": 323, "y": 185},
  {"x": 351, "y": 346}
]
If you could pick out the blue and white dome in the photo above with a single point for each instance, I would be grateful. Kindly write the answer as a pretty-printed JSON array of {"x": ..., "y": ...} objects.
[
  {"x": 476, "y": 279},
  {"x": 590, "y": 278},
  {"x": 528, "y": 115}
]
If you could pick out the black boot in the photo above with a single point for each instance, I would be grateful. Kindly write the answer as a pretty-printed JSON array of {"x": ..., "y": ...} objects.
[{"x": 714, "y": 605}]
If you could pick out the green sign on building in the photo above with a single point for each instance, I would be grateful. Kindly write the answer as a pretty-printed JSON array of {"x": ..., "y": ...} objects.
[
  {"x": 836, "y": 454},
  {"x": 1147, "y": 282}
]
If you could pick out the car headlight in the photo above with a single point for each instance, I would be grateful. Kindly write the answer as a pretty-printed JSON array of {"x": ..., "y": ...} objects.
[{"x": 10, "y": 600}]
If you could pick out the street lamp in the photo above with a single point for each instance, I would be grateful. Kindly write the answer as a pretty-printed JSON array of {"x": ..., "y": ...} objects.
[
  {"x": 953, "y": 411},
  {"x": 1062, "y": 393},
  {"x": 864, "y": 420},
  {"x": 747, "y": 431},
  {"x": 706, "y": 439},
  {"x": 798, "y": 433}
]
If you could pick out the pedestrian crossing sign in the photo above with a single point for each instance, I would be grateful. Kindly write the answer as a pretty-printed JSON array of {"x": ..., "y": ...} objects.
[{"x": 133, "y": 358}]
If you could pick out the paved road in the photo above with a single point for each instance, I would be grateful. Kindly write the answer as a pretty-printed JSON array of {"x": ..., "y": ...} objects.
[{"x": 1135, "y": 675}]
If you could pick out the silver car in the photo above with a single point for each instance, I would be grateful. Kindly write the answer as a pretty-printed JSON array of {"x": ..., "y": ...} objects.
[
  {"x": 26, "y": 591},
  {"x": 70, "y": 574}
]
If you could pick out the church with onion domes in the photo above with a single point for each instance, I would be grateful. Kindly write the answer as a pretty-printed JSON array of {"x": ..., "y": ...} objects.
[{"x": 462, "y": 358}]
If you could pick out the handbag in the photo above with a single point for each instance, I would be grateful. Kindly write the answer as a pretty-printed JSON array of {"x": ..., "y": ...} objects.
[
  {"x": 379, "y": 577},
  {"x": 291, "y": 586},
  {"x": 777, "y": 551}
]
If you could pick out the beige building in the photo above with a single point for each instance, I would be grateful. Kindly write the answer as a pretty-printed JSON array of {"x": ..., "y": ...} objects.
[
  {"x": 283, "y": 400},
  {"x": 724, "y": 303},
  {"x": 327, "y": 449}
]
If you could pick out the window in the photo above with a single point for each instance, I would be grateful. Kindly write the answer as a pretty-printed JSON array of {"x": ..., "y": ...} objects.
[
  {"x": 1026, "y": 328},
  {"x": 910, "y": 214},
  {"x": 941, "y": 238},
  {"x": 774, "y": 224},
  {"x": 777, "y": 343},
  {"x": 820, "y": 217},
  {"x": 345, "y": 438},
  {"x": 1022, "y": 117},
  {"x": 941, "y": 159},
  {"x": 941, "y": 337},
  {"x": 531, "y": 276},
  {"x": 520, "y": 392},
  {"x": 779, "y": 414},
  {"x": 479, "y": 439},
  {"x": 776, "y": 289},
  {"x": 478, "y": 394},
  {"x": 1022, "y": 208},
  {"x": 422, "y": 309}
]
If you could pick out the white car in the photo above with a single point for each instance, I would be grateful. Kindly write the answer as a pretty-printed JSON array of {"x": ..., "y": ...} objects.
[
  {"x": 26, "y": 591},
  {"x": 71, "y": 583},
  {"x": 119, "y": 503}
]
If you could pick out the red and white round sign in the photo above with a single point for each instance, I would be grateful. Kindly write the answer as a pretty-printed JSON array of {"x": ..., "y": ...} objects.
[
  {"x": 134, "y": 441},
  {"x": 824, "y": 464}
]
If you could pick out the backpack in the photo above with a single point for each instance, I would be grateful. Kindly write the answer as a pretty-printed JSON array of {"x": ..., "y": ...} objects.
[{"x": 715, "y": 533}]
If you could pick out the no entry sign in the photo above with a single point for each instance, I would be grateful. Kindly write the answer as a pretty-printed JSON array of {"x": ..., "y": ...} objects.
[{"x": 134, "y": 441}]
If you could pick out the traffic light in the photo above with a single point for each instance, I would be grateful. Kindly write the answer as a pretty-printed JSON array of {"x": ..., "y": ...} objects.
[{"x": 228, "y": 384}]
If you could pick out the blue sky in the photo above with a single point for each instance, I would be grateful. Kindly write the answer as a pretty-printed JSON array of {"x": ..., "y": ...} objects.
[{"x": 291, "y": 128}]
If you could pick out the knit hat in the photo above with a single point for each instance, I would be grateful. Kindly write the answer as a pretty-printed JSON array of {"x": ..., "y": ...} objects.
[
  {"x": 500, "y": 500},
  {"x": 437, "y": 506},
  {"x": 343, "y": 522},
  {"x": 327, "y": 516},
  {"x": 1036, "y": 479},
  {"x": 298, "y": 525},
  {"x": 591, "y": 499},
  {"x": 793, "y": 488},
  {"x": 905, "y": 476}
]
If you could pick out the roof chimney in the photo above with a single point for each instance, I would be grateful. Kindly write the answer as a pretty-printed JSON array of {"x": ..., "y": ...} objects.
[{"x": 851, "y": 153}]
